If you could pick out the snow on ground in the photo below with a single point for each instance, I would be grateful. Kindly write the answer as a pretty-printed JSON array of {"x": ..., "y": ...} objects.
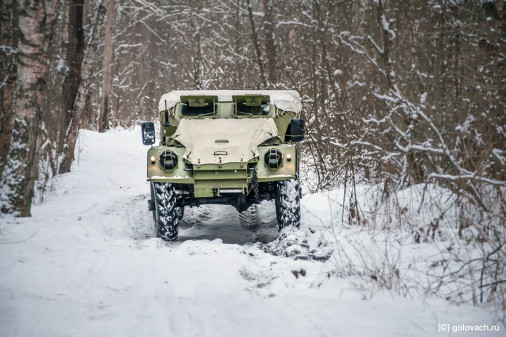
[{"x": 87, "y": 264}]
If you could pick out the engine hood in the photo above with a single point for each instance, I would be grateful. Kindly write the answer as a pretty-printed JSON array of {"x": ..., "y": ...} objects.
[{"x": 232, "y": 140}]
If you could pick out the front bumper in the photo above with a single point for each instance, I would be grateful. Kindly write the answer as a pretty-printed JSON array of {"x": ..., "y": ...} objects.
[{"x": 211, "y": 180}]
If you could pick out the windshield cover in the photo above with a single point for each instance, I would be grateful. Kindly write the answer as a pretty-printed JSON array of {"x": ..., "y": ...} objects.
[{"x": 208, "y": 140}]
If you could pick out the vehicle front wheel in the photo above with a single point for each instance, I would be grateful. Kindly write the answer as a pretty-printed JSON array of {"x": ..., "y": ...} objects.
[
  {"x": 165, "y": 211},
  {"x": 288, "y": 203}
]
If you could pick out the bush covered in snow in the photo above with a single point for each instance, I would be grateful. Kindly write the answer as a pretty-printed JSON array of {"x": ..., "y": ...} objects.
[{"x": 421, "y": 238}]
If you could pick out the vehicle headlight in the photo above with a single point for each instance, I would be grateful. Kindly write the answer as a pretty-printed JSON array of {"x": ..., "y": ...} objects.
[
  {"x": 273, "y": 158},
  {"x": 168, "y": 160}
]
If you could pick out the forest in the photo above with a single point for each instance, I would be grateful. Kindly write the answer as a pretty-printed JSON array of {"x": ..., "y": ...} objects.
[{"x": 395, "y": 94}]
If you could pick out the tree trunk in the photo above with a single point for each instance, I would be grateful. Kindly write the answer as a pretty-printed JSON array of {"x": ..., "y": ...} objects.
[
  {"x": 105, "y": 105},
  {"x": 36, "y": 21},
  {"x": 8, "y": 50},
  {"x": 254, "y": 35},
  {"x": 74, "y": 60},
  {"x": 270, "y": 46},
  {"x": 67, "y": 151}
]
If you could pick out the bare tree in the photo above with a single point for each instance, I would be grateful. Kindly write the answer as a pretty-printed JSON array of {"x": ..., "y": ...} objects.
[
  {"x": 72, "y": 81},
  {"x": 256, "y": 44},
  {"x": 108, "y": 58},
  {"x": 78, "y": 107},
  {"x": 270, "y": 44},
  {"x": 8, "y": 68},
  {"x": 36, "y": 22}
]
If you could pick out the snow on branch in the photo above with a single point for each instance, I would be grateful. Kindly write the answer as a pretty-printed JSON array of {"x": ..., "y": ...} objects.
[
  {"x": 472, "y": 176},
  {"x": 8, "y": 50},
  {"x": 419, "y": 148},
  {"x": 378, "y": 48},
  {"x": 386, "y": 27}
]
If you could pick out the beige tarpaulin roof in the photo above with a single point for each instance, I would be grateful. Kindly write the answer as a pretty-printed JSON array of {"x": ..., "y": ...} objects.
[
  {"x": 230, "y": 139},
  {"x": 288, "y": 100}
]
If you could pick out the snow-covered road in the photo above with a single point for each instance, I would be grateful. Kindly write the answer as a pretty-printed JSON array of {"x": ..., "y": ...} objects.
[{"x": 87, "y": 264}]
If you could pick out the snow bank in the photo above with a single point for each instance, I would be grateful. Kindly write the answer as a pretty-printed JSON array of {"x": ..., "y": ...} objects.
[{"x": 411, "y": 241}]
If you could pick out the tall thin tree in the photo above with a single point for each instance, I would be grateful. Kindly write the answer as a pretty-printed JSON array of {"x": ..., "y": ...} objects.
[
  {"x": 72, "y": 81},
  {"x": 8, "y": 50},
  {"x": 105, "y": 106},
  {"x": 72, "y": 131},
  {"x": 36, "y": 22}
]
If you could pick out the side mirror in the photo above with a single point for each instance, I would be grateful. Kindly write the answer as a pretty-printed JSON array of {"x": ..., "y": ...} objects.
[
  {"x": 296, "y": 130},
  {"x": 148, "y": 133}
]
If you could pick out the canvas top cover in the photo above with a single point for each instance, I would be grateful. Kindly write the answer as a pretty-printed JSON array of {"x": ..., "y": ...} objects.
[{"x": 288, "y": 100}]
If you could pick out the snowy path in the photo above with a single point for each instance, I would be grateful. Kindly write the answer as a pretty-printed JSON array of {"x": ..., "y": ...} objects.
[{"x": 87, "y": 264}]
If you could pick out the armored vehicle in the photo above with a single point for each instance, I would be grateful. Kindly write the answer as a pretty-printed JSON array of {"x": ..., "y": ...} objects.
[{"x": 230, "y": 147}]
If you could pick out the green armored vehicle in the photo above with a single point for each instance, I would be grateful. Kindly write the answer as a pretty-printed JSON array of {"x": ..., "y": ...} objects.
[{"x": 230, "y": 147}]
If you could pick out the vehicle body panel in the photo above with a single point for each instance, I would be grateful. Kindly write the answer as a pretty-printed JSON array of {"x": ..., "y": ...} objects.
[{"x": 215, "y": 141}]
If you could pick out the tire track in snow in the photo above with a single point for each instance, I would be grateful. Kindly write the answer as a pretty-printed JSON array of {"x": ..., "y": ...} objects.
[{"x": 129, "y": 217}]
